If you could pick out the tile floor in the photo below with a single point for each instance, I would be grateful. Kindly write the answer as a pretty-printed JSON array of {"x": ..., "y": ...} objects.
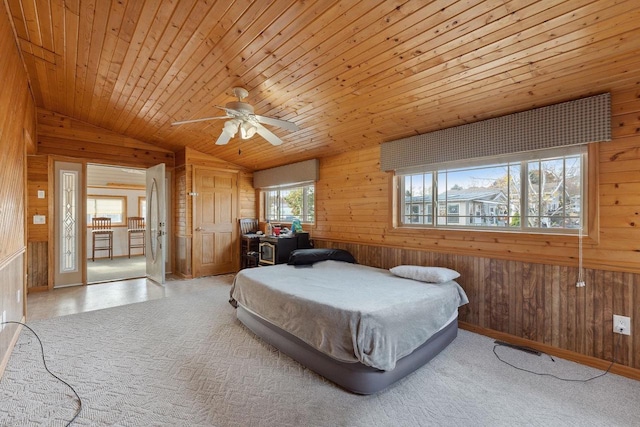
[{"x": 78, "y": 299}]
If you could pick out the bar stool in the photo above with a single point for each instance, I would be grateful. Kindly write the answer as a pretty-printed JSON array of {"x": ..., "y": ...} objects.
[
  {"x": 136, "y": 231},
  {"x": 102, "y": 233}
]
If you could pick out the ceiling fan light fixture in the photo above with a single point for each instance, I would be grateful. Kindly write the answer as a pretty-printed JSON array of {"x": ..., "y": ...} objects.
[
  {"x": 247, "y": 130},
  {"x": 231, "y": 127},
  {"x": 242, "y": 118}
]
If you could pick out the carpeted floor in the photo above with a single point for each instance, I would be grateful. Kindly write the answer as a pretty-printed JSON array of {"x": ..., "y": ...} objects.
[{"x": 187, "y": 361}]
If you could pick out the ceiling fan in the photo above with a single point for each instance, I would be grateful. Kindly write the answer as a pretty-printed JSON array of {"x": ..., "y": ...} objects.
[{"x": 243, "y": 119}]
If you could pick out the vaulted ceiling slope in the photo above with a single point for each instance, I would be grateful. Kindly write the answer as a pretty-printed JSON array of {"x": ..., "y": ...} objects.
[{"x": 350, "y": 74}]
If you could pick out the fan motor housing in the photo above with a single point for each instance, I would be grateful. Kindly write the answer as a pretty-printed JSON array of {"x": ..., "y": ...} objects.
[{"x": 242, "y": 107}]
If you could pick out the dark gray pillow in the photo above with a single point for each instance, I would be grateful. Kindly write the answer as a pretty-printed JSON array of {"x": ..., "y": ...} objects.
[{"x": 309, "y": 256}]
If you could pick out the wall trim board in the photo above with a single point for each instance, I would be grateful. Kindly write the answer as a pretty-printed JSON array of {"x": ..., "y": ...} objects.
[
  {"x": 11, "y": 257},
  {"x": 593, "y": 362}
]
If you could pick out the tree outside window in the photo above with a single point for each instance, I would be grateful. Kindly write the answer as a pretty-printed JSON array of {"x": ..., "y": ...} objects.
[{"x": 292, "y": 203}]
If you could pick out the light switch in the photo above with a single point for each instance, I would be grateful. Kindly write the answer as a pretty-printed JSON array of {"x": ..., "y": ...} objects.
[
  {"x": 40, "y": 194},
  {"x": 39, "y": 219}
]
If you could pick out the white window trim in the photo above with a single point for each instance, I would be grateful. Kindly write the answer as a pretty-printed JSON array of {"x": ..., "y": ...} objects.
[
  {"x": 581, "y": 150},
  {"x": 285, "y": 188},
  {"x": 104, "y": 196}
]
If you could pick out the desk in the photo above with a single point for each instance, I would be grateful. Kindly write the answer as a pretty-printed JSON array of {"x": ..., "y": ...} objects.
[
  {"x": 276, "y": 250},
  {"x": 249, "y": 245}
]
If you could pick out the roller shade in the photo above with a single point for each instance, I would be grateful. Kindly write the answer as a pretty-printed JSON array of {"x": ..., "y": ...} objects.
[
  {"x": 287, "y": 175},
  {"x": 570, "y": 123}
]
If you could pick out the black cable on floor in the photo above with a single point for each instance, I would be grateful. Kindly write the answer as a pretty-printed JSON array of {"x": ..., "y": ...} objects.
[
  {"x": 544, "y": 374},
  {"x": 44, "y": 362}
]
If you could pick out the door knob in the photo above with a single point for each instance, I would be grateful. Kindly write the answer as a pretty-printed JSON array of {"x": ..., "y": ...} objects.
[{"x": 198, "y": 229}]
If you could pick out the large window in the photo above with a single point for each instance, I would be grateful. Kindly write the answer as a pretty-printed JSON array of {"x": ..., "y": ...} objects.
[
  {"x": 114, "y": 207},
  {"x": 536, "y": 192},
  {"x": 287, "y": 204}
]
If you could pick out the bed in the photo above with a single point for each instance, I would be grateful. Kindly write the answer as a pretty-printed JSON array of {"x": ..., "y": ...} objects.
[{"x": 361, "y": 327}]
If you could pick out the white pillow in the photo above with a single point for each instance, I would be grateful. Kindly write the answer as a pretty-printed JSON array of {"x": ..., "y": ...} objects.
[{"x": 425, "y": 274}]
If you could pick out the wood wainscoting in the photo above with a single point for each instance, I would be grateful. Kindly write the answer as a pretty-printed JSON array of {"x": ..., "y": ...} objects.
[
  {"x": 11, "y": 282},
  {"x": 538, "y": 303},
  {"x": 37, "y": 266}
]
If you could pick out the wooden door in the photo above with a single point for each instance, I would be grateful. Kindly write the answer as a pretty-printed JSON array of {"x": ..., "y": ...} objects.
[{"x": 214, "y": 221}]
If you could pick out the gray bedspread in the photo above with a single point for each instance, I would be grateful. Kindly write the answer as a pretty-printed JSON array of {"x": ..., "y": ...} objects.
[{"x": 350, "y": 312}]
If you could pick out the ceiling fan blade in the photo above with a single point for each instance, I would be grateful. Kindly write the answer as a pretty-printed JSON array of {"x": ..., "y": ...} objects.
[
  {"x": 231, "y": 113},
  {"x": 223, "y": 138},
  {"x": 267, "y": 134},
  {"x": 277, "y": 122},
  {"x": 198, "y": 120}
]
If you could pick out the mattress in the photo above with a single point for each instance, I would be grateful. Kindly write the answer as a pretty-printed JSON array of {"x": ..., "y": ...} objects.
[
  {"x": 354, "y": 377},
  {"x": 350, "y": 314}
]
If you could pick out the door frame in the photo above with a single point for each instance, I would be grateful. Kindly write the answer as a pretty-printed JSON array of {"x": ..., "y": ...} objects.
[{"x": 52, "y": 214}]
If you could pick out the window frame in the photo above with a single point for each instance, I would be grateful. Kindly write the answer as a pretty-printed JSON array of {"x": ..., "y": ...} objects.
[
  {"x": 142, "y": 210},
  {"x": 89, "y": 215},
  {"x": 588, "y": 170},
  {"x": 304, "y": 217}
]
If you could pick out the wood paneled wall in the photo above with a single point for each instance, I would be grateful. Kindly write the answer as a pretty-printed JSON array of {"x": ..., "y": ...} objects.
[
  {"x": 38, "y": 234},
  {"x": 353, "y": 204},
  {"x": 247, "y": 196},
  {"x": 182, "y": 221},
  {"x": 64, "y": 136},
  {"x": 519, "y": 284},
  {"x": 17, "y": 126},
  {"x": 533, "y": 301}
]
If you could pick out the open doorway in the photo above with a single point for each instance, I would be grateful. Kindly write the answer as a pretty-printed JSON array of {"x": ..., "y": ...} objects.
[{"x": 116, "y": 193}]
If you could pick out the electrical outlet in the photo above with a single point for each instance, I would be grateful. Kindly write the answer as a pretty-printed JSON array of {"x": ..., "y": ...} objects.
[
  {"x": 622, "y": 324},
  {"x": 19, "y": 296},
  {"x": 4, "y": 319}
]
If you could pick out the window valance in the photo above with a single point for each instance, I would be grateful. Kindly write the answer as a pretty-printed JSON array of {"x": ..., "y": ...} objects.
[
  {"x": 569, "y": 123},
  {"x": 287, "y": 175}
]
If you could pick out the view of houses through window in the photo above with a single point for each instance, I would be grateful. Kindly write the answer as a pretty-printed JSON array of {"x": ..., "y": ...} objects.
[
  {"x": 538, "y": 193},
  {"x": 290, "y": 203}
]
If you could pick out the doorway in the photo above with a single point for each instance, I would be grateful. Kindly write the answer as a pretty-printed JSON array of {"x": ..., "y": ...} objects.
[{"x": 117, "y": 193}]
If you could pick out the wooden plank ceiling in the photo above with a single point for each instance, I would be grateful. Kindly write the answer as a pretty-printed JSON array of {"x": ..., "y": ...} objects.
[{"x": 350, "y": 74}]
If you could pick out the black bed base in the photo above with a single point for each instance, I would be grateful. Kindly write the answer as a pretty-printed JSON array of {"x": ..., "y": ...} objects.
[{"x": 354, "y": 377}]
